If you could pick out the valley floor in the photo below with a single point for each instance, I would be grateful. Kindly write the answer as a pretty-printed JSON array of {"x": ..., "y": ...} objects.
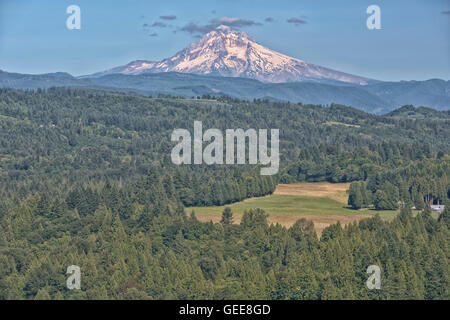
[{"x": 323, "y": 203}]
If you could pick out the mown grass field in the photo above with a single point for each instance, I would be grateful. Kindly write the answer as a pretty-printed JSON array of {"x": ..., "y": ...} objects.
[{"x": 323, "y": 203}]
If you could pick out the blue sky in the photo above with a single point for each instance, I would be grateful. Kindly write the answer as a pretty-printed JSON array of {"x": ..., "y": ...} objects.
[{"x": 414, "y": 42}]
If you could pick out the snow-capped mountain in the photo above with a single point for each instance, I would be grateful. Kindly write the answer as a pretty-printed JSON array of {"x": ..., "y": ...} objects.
[{"x": 232, "y": 53}]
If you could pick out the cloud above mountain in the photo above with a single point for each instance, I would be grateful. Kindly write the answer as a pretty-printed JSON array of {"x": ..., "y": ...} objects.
[
  {"x": 296, "y": 21},
  {"x": 198, "y": 29},
  {"x": 234, "y": 22},
  {"x": 159, "y": 24},
  {"x": 169, "y": 17}
]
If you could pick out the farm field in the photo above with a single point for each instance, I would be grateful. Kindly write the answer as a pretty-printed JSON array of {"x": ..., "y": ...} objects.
[{"x": 323, "y": 203}]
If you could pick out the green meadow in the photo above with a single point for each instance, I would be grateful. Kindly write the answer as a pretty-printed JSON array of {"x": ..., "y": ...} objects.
[{"x": 293, "y": 205}]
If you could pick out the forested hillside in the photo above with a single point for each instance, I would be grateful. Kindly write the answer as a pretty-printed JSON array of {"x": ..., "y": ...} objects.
[
  {"x": 86, "y": 179},
  {"x": 81, "y": 135}
]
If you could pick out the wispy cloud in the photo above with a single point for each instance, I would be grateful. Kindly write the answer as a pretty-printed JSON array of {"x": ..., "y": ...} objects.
[
  {"x": 154, "y": 34},
  {"x": 234, "y": 22},
  {"x": 159, "y": 24},
  {"x": 445, "y": 12},
  {"x": 296, "y": 21},
  {"x": 269, "y": 19},
  {"x": 195, "y": 28},
  {"x": 170, "y": 17},
  {"x": 214, "y": 23}
]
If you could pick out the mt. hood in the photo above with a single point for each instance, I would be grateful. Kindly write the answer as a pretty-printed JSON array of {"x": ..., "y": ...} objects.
[{"x": 230, "y": 53}]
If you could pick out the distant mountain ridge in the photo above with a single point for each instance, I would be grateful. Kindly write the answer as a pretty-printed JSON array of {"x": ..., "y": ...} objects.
[
  {"x": 231, "y": 53},
  {"x": 376, "y": 98}
]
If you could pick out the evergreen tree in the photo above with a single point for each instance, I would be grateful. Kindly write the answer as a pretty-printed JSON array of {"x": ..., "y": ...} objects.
[
  {"x": 227, "y": 217},
  {"x": 381, "y": 201},
  {"x": 355, "y": 198}
]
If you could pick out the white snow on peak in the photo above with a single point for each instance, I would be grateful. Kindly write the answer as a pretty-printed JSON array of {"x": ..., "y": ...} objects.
[{"x": 223, "y": 27}]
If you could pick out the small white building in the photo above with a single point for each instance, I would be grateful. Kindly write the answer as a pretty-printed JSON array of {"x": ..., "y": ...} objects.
[{"x": 437, "y": 208}]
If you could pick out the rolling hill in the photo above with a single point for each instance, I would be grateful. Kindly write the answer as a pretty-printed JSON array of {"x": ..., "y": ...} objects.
[{"x": 376, "y": 98}]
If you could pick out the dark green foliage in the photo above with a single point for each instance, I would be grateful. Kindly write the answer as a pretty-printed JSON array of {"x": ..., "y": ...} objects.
[
  {"x": 381, "y": 201},
  {"x": 357, "y": 197},
  {"x": 444, "y": 217},
  {"x": 227, "y": 217},
  {"x": 86, "y": 179}
]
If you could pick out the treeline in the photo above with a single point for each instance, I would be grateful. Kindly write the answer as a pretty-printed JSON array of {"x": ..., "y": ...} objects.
[
  {"x": 384, "y": 176},
  {"x": 189, "y": 189},
  {"x": 332, "y": 163},
  {"x": 221, "y": 187},
  {"x": 419, "y": 184}
]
